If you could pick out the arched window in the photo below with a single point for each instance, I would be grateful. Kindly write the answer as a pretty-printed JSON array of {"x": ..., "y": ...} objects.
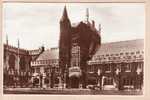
[
  {"x": 5, "y": 55},
  {"x": 11, "y": 62},
  {"x": 22, "y": 64}
]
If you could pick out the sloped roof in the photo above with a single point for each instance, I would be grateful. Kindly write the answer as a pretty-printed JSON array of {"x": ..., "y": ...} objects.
[
  {"x": 106, "y": 48},
  {"x": 49, "y": 54},
  {"x": 121, "y": 47}
]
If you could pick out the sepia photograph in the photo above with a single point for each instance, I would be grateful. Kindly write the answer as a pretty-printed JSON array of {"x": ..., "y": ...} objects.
[{"x": 73, "y": 48}]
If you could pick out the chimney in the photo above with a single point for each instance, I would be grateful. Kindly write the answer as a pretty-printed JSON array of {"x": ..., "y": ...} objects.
[{"x": 42, "y": 48}]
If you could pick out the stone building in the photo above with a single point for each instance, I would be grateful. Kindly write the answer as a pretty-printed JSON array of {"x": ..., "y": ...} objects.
[
  {"x": 16, "y": 64},
  {"x": 78, "y": 61},
  {"x": 78, "y": 43},
  {"x": 118, "y": 65},
  {"x": 47, "y": 66}
]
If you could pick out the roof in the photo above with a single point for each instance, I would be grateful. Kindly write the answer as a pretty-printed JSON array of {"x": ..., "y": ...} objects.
[
  {"x": 49, "y": 54},
  {"x": 121, "y": 47},
  {"x": 106, "y": 48}
]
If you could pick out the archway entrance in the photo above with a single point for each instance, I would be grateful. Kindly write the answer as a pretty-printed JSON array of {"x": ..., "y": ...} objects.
[{"x": 74, "y": 82}]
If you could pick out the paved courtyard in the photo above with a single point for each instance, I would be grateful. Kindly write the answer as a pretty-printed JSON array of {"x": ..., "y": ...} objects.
[{"x": 57, "y": 91}]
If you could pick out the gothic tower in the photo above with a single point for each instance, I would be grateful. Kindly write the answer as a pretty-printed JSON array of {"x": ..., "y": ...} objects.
[{"x": 64, "y": 42}]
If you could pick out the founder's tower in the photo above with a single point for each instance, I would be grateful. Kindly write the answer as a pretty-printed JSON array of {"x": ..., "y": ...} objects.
[{"x": 64, "y": 44}]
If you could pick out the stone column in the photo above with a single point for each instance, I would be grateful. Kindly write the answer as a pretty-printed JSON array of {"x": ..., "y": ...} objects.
[
  {"x": 102, "y": 82},
  {"x": 7, "y": 59}
]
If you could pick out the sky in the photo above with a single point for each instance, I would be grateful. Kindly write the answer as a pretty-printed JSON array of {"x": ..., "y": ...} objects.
[{"x": 37, "y": 24}]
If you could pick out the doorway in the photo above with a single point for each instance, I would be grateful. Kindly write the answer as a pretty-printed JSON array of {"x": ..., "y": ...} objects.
[{"x": 74, "y": 82}]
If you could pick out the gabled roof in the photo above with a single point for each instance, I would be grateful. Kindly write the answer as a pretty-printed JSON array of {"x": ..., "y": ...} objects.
[{"x": 49, "y": 54}]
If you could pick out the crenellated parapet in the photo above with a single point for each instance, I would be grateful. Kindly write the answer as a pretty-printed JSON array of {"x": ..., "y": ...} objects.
[
  {"x": 15, "y": 50},
  {"x": 19, "y": 59}
]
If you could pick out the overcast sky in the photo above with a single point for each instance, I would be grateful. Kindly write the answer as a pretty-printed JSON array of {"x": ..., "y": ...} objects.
[{"x": 37, "y": 24}]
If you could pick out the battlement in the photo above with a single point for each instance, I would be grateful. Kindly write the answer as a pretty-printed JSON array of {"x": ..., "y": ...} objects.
[
  {"x": 23, "y": 51},
  {"x": 15, "y": 49}
]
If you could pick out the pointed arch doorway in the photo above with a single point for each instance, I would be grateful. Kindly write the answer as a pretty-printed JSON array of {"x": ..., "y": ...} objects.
[{"x": 74, "y": 82}]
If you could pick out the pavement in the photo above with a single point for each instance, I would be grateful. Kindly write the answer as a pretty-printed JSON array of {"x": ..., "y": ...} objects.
[{"x": 58, "y": 91}]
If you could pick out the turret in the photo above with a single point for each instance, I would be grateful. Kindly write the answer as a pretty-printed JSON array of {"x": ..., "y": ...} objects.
[
  {"x": 65, "y": 28},
  {"x": 87, "y": 15},
  {"x": 99, "y": 28},
  {"x": 6, "y": 39},
  {"x": 64, "y": 41},
  {"x": 64, "y": 16}
]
